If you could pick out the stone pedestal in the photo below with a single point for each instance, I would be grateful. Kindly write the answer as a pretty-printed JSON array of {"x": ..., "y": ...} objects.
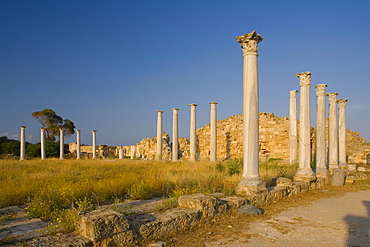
[
  {"x": 333, "y": 132},
  {"x": 78, "y": 141},
  {"x": 193, "y": 135},
  {"x": 22, "y": 154},
  {"x": 321, "y": 168},
  {"x": 304, "y": 172},
  {"x": 42, "y": 142},
  {"x": 61, "y": 144},
  {"x": 213, "y": 128},
  {"x": 293, "y": 138},
  {"x": 159, "y": 135},
  {"x": 94, "y": 143},
  {"x": 342, "y": 124},
  {"x": 251, "y": 181},
  {"x": 175, "y": 134}
]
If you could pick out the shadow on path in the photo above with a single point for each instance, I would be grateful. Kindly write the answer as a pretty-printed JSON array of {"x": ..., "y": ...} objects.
[{"x": 359, "y": 228}]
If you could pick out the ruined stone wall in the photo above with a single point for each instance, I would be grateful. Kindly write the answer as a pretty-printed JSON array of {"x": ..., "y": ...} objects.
[{"x": 274, "y": 142}]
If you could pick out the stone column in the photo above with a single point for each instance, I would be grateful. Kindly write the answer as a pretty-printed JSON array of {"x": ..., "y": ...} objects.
[
  {"x": 94, "y": 143},
  {"x": 333, "y": 132},
  {"x": 23, "y": 143},
  {"x": 213, "y": 130},
  {"x": 61, "y": 144},
  {"x": 251, "y": 182},
  {"x": 321, "y": 169},
  {"x": 42, "y": 142},
  {"x": 342, "y": 123},
  {"x": 175, "y": 134},
  {"x": 293, "y": 138},
  {"x": 78, "y": 142},
  {"x": 159, "y": 135},
  {"x": 121, "y": 153},
  {"x": 133, "y": 152},
  {"x": 193, "y": 135},
  {"x": 304, "y": 172}
]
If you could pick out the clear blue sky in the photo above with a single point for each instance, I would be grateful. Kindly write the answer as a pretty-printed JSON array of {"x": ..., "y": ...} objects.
[{"x": 110, "y": 65}]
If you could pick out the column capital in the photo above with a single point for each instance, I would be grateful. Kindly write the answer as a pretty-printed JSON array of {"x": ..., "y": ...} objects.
[
  {"x": 78, "y": 130},
  {"x": 293, "y": 93},
  {"x": 23, "y": 127},
  {"x": 320, "y": 89},
  {"x": 175, "y": 109},
  {"x": 249, "y": 42},
  {"x": 304, "y": 78},
  {"x": 94, "y": 131},
  {"x": 213, "y": 103},
  {"x": 193, "y": 105},
  {"x": 332, "y": 97},
  {"x": 160, "y": 112},
  {"x": 342, "y": 103}
]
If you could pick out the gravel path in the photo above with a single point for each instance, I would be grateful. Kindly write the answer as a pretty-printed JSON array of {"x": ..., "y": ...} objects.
[{"x": 341, "y": 221}]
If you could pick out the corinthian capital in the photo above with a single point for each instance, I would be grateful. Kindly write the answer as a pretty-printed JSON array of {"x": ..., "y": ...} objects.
[
  {"x": 332, "y": 97},
  {"x": 320, "y": 89},
  {"x": 342, "y": 103},
  {"x": 304, "y": 78},
  {"x": 249, "y": 42}
]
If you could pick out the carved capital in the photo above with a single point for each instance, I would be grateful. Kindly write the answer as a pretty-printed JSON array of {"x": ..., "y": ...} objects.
[
  {"x": 320, "y": 89},
  {"x": 332, "y": 97},
  {"x": 160, "y": 112},
  {"x": 293, "y": 93},
  {"x": 193, "y": 105},
  {"x": 342, "y": 103},
  {"x": 249, "y": 42},
  {"x": 304, "y": 78}
]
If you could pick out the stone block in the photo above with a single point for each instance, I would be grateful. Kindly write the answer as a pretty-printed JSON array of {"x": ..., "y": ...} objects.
[
  {"x": 250, "y": 209},
  {"x": 233, "y": 202},
  {"x": 101, "y": 224},
  {"x": 205, "y": 204},
  {"x": 168, "y": 221},
  {"x": 352, "y": 167},
  {"x": 338, "y": 177},
  {"x": 283, "y": 181}
]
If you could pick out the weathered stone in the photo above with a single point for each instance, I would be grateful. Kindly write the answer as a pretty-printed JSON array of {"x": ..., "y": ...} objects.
[
  {"x": 283, "y": 181},
  {"x": 338, "y": 177},
  {"x": 100, "y": 224},
  {"x": 352, "y": 167},
  {"x": 250, "y": 209},
  {"x": 363, "y": 169},
  {"x": 205, "y": 204},
  {"x": 350, "y": 179},
  {"x": 233, "y": 202},
  {"x": 158, "y": 244}
]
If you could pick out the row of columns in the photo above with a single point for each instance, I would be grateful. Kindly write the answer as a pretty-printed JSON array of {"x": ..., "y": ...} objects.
[
  {"x": 337, "y": 132},
  {"x": 61, "y": 141},
  {"x": 193, "y": 136}
]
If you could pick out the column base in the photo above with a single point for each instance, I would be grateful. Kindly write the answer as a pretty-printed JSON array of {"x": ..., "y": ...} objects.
[
  {"x": 304, "y": 175},
  {"x": 343, "y": 166},
  {"x": 332, "y": 167},
  {"x": 323, "y": 173},
  {"x": 250, "y": 186}
]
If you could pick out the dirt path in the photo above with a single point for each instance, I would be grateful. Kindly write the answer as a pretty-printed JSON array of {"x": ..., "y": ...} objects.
[{"x": 341, "y": 221}]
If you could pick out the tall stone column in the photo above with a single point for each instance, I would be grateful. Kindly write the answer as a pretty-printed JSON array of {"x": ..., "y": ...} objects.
[
  {"x": 321, "y": 169},
  {"x": 133, "y": 152},
  {"x": 78, "y": 142},
  {"x": 342, "y": 123},
  {"x": 213, "y": 128},
  {"x": 42, "y": 142},
  {"x": 193, "y": 135},
  {"x": 175, "y": 134},
  {"x": 23, "y": 143},
  {"x": 94, "y": 143},
  {"x": 293, "y": 136},
  {"x": 333, "y": 132},
  {"x": 304, "y": 172},
  {"x": 121, "y": 153},
  {"x": 61, "y": 144},
  {"x": 251, "y": 182},
  {"x": 159, "y": 135}
]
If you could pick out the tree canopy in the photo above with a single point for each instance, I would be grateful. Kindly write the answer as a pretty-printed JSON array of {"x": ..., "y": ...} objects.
[{"x": 52, "y": 123}]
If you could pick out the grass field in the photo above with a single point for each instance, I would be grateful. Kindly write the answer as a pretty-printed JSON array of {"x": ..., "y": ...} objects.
[{"x": 55, "y": 189}]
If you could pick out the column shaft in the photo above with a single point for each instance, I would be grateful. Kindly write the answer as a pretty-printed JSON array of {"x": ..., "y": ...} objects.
[
  {"x": 175, "y": 135},
  {"x": 333, "y": 131},
  {"x": 159, "y": 135},
  {"x": 94, "y": 143},
  {"x": 304, "y": 172},
  {"x": 251, "y": 182},
  {"x": 42, "y": 142},
  {"x": 121, "y": 153},
  {"x": 23, "y": 143},
  {"x": 193, "y": 135},
  {"x": 78, "y": 142},
  {"x": 213, "y": 130},
  {"x": 321, "y": 169},
  {"x": 293, "y": 138},
  {"x": 342, "y": 132},
  {"x": 61, "y": 144}
]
